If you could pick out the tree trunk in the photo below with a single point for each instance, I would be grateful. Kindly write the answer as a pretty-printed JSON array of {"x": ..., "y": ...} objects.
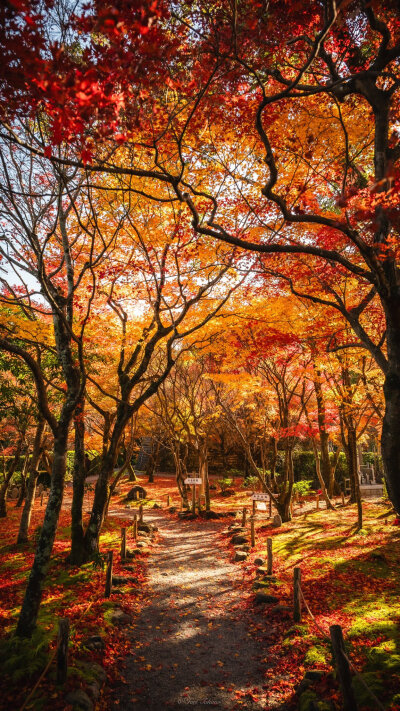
[
  {"x": 321, "y": 480},
  {"x": 33, "y": 594},
  {"x": 77, "y": 553},
  {"x": 203, "y": 472},
  {"x": 390, "y": 441},
  {"x": 22, "y": 492},
  {"x": 284, "y": 499},
  {"x": 180, "y": 474},
  {"x": 109, "y": 458},
  {"x": 7, "y": 480},
  {"x": 326, "y": 469},
  {"x": 355, "y": 482},
  {"x": 273, "y": 458},
  {"x": 31, "y": 486}
]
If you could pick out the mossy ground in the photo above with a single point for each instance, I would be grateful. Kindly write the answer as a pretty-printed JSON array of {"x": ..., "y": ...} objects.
[
  {"x": 348, "y": 578},
  {"x": 76, "y": 593}
]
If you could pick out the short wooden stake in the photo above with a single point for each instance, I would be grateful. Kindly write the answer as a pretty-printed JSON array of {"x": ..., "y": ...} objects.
[
  {"x": 317, "y": 502},
  {"x": 296, "y": 594},
  {"x": 269, "y": 556},
  {"x": 343, "y": 668},
  {"x": 141, "y": 513},
  {"x": 244, "y": 516},
  {"x": 253, "y": 533},
  {"x": 342, "y": 495},
  {"x": 41, "y": 499},
  {"x": 270, "y": 507},
  {"x": 254, "y": 508},
  {"x": 123, "y": 543},
  {"x": 194, "y": 499},
  {"x": 168, "y": 501},
  {"x": 135, "y": 527},
  {"x": 107, "y": 591},
  {"x": 62, "y": 650}
]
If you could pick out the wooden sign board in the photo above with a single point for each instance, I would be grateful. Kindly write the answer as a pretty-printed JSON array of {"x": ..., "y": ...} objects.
[
  {"x": 260, "y": 497},
  {"x": 261, "y": 506},
  {"x": 193, "y": 480}
]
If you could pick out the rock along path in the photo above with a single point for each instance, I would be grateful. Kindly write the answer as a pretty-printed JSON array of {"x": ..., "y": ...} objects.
[{"x": 191, "y": 644}]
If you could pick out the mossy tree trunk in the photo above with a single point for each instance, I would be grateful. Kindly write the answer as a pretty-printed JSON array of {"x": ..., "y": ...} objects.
[{"x": 33, "y": 594}]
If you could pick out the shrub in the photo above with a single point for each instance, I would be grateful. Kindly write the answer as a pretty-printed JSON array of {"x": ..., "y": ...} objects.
[
  {"x": 225, "y": 483},
  {"x": 302, "y": 487},
  {"x": 250, "y": 482}
]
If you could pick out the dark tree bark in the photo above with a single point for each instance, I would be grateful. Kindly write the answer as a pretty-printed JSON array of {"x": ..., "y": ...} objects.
[
  {"x": 77, "y": 553},
  {"x": 390, "y": 443},
  {"x": 33, "y": 594},
  {"x": 8, "y": 476},
  {"x": 326, "y": 469}
]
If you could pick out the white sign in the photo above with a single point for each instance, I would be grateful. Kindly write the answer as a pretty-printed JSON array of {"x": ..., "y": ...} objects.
[
  {"x": 260, "y": 497},
  {"x": 192, "y": 480}
]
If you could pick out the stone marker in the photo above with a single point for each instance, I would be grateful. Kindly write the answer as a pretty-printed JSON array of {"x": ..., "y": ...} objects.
[{"x": 277, "y": 521}]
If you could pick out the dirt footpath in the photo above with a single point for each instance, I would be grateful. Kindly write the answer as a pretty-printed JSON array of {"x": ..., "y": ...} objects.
[{"x": 191, "y": 645}]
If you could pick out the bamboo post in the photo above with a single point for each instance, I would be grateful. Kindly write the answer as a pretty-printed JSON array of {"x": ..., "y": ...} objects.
[
  {"x": 107, "y": 591},
  {"x": 244, "y": 516},
  {"x": 253, "y": 533},
  {"x": 343, "y": 668},
  {"x": 193, "y": 499},
  {"x": 269, "y": 556},
  {"x": 141, "y": 513},
  {"x": 62, "y": 650},
  {"x": 123, "y": 543},
  {"x": 135, "y": 527},
  {"x": 296, "y": 594}
]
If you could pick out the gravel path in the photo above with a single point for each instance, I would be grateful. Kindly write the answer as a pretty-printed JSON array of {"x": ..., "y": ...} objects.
[{"x": 191, "y": 645}]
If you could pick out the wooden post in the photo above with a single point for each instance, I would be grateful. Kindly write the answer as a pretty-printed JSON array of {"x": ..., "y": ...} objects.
[
  {"x": 193, "y": 499},
  {"x": 270, "y": 507},
  {"x": 343, "y": 669},
  {"x": 296, "y": 594},
  {"x": 254, "y": 508},
  {"x": 141, "y": 513},
  {"x": 41, "y": 499},
  {"x": 107, "y": 591},
  {"x": 317, "y": 502},
  {"x": 244, "y": 516},
  {"x": 168, "y": 501},
  {"x": 253, "y": 533},
  {"x": 269, "y": 556},
  {"x": 135, "y": 527},
  {"x": 123, "y": 543},
  {"x": 62, "y": 651}
]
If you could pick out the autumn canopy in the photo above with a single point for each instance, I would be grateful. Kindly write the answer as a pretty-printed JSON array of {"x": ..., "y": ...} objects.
[{"x": 199, "y": 243}]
